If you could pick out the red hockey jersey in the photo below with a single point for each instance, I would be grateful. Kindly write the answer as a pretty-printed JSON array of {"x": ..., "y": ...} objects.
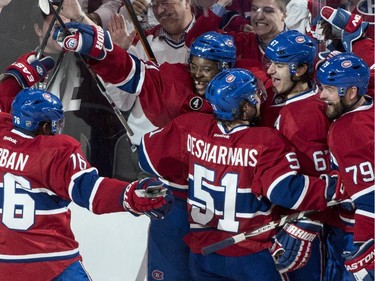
[
  {"x": 303, "y": 122},
  {"x": 231, "y": 177},
  {"x": 39, "y": 177},
  {"x": 351, "y": 143}
]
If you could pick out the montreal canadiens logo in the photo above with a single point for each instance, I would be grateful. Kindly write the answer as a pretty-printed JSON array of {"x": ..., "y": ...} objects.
[
  {"x": 196, "y": 103},
  {"x": 157, "y": 275},
  {"x": 47, "y": 96},
  {"x": 229, "y": 43},
  {"x": 71, "y": 43},
  {"x": 346, "y": 64},
  {"x": 230, "y": 78},
  {"x": 300, "y": 39}
]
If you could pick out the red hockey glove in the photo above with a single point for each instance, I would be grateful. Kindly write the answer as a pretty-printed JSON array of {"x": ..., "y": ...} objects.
[
  {"x": 28, "y": 70},
  {"x": 351, "y": 25},
  {"x": 292, "y": 247},
  {"x": 84, "y": 39},
  {"x": 148, "y": 196},
  {"x": 360, "y": 262},
  {"x": 324, "y": 56}
]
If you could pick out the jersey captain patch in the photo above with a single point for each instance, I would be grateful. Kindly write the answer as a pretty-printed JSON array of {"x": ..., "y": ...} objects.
[{"x": 196, "y": 103}]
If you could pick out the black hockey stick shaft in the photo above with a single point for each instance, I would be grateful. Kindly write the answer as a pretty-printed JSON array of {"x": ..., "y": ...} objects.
[
  {"x": 99, "y": 83},
  {"x": 265, "y": 228},
  {"x": 140, "y": 31},
  {"x": 48, "y": 33}
]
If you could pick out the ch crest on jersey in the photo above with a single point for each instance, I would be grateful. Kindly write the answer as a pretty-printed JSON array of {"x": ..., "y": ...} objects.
[{"x": 196, "y": 103}]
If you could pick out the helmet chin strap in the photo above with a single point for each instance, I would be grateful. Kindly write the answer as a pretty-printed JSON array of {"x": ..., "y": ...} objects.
[
  {"x": 348, "y": 107},
  {"x": 254, "y": 118}
]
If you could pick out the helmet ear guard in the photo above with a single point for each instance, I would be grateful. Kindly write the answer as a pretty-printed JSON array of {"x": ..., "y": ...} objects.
[{"x": 32, "y": 107}]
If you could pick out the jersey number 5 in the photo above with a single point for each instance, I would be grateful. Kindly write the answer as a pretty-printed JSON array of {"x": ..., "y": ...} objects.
[{"x": 229, "y": 182}]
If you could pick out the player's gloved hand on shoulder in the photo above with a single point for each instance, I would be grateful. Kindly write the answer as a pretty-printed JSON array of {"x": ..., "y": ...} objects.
[
  {"x": 28, "y": 70},
  {"x": 292, "y": 246},
  {"x": 351, "y": 25},
  {"x": 324, "y": 56},
  {"x": 148, "y": 196},
  {"x": 360, "y": 262},
  {"x": 88, "y": 40},
  {"x": 335, "y": 189}
]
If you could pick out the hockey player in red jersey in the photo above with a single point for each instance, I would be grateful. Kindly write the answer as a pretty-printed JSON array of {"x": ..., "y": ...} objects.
[
  {"x": 234, "y": 173},
  {"x": 164, "y": 92},
  {"x": 302, "y": 121},
  {"x": 344, "y": 79},
  {"x": 41, "y": 172}
]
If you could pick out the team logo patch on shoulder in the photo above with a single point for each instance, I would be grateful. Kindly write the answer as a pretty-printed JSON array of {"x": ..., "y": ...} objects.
[{"x": 196, "y": 103}]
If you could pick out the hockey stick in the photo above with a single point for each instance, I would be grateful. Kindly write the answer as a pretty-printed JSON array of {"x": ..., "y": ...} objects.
[
  {"x": 140, "y": 31},
  {"x": 96, "y": 78},
  {"x": 265, "y": 228},
  {"x": 44, "y": 6}
]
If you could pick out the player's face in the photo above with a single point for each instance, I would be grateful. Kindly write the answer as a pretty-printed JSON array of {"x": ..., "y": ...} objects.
[
  {"x": 267, "y": 19},
  {"x": 329, "y": 94},
  {"x": 280, "y": 75},
  {"x": 201, "y": 72}
]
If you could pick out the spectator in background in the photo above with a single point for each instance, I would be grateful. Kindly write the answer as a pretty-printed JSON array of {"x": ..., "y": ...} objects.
[
  {"x": 100, "y": 11},
  {"x": 167, "y": 39},
  {"x": 267, "y": 20}
]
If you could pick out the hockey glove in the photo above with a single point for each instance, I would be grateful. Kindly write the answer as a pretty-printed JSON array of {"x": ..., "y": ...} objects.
[
  {"x": 360, "y": 262},
  {"x": 148, "y": 196},
  {"x": 351, "y": 25},
  {"x": 292, "y": 247},
  {"x": 84, "y": 39},
  {"x": 335, "y": 190},
  {"x": 28, "y": 70},
  {"x": 324, "y": 56}
]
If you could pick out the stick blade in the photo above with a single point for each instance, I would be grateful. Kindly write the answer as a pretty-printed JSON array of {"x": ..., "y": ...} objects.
[{"x": 44, "y": 6}]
